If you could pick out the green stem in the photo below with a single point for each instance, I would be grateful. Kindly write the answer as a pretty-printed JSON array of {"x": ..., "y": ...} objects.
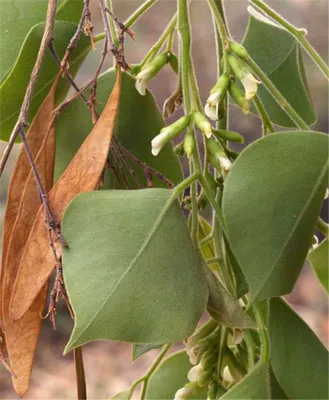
[
  {"x": 157, "y": 46},
  {"x": 195, "y": 223},
  {"x": 183, "y": 185},
  {"x": 298, "y": 33},
  {"x": 152, "y": 369},
  {"x": 223, "y": 33},
  {"x": 213, "y": 202},
  {"x": 262, "y": 333},
  {"x": 323, "y": 227},
  {"x": 283, "y": 103},
  {"x": 250, "y": 348},
  {"x": 196, "y": 101},
  {"x": 267, "y": 123},
  {"x": 139, "y": 12},
  {"x": 112, "y": 26},
  {"x": 185, "y": 49},
  {"x": 170, "y": 40}
]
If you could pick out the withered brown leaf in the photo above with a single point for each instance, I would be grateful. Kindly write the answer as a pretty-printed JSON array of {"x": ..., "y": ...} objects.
[
  {"x": 83, "y": 174},
  {"x": 23, "y": 204}
]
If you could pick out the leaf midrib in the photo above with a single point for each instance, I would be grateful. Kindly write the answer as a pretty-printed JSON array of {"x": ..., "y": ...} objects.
[
  {"x": 298, "y": 220},
  {"x": 156, "y": 225}
]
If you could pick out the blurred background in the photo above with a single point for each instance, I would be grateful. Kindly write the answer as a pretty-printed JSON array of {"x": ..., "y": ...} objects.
[{"x": 108, "y": 365}]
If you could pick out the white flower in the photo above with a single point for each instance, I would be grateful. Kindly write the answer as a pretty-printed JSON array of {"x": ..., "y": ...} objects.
[
  {"x": 159, "y": 141},
  {"x": 250, "y": 84},
  {"x": 211, "y": 108},
  {"x": 195, "y": 373},
  {"x": 182, "y": 394},
  {"x": 225, "y": 163},
  {"x": 237, "y": 336},
  {"x": 141, "y": 81},
  {"x": 227, "y": 375}
]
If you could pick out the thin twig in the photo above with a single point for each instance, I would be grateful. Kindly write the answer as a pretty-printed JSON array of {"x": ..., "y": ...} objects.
[
  {"x": 22, "y": 120},
  {"x": 145, "y": 167},
  {"x": 66, "y": 73},
  {"x": 80, "y": 373}
]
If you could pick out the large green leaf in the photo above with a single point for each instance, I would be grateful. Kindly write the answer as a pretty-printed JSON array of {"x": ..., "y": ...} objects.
[
  {"x": 139, "y": 120},
  {"x": 272, "y": 199},
  {"x": 138, "y": 350},
  {"x": 299, "y": 359},
  {"x": 170, "y": 377},
  {"x": 131, "y": 271},
  {"x": 256, "y": 385},
  {"x": 13, "y": 88},
  {"x": 319, "y": 260},
  {"x": 17, "y": 17},
  {"x": 278, "y": 54}
]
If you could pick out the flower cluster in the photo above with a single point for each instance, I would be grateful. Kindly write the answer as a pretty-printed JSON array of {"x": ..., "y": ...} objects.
[{"x": 240, "y": 71}]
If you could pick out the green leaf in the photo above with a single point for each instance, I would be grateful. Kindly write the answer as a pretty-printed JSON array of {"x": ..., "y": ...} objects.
[
  {"x": 13, "y": 88},
  {"x": 276, "y": 390},
  {"x": 272, "y": 198},
  {"x": 170, "y": 377},
  {"x": 255, "y": 385},
  {"x": 299, "y": 359},
  {"x": 139, "y": 120},
  {"x": 223, "y": 307},
  {"x": 18, "y": 17},
  {"x": 69, "y": 10},
  {"x": 319, "y": 260},
  {"x": 134, "y": 250},
  {"x": 138, "y": 350},
  {"x": 278, "y": 54}
]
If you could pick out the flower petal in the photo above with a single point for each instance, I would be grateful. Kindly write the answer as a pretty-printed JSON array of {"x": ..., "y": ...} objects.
[
  {"x": 211, "y": 112},
  {"x": 141, "y": 86}
]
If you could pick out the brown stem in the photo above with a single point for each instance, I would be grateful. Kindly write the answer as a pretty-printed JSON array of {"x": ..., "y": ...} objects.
[
  {"x": 80, "y": 374},
  {"x": 23, "y": 115}
]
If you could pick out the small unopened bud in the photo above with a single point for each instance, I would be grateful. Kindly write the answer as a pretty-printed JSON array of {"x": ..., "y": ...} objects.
[
  {"x": 202, "y": 123},
  {"x": 239, "y": 97},
  {"x": 229, "y": 135},
  {"x": 236, "y": 66},
  {"x": 212, "y": 390},
  {"x": 237, "y": 336},
  {"x": 149, "y": 71},
  {"x": 239, "y": 50},
  {"x": 195, "y": 373},
  {"x": 215, "y": 150},
  {"x": 179, "y": 150},
  {"x": 217, "y": 95},
  {"x": 189, "y": 144},
  {"x": 205, "y": 377},
  {"x": 169, "y": 132},
  {"x": 227, "y": 376}
]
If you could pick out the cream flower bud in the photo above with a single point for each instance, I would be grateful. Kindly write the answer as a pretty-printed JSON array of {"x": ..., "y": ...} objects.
[
  {"x": 215, "y": 150},
  {"x": 182, "y": 393},
  {"x": 148, "y": 72},
  {"x": 159, "y": 141},
  {"x": 216, "y": 96},
  {"x": 195, "y": 373},
  {"x": 168, "y": 133},
  {"x": 239, "y": 98},
  {"x": 227, "y": 376},
  {"x": 202, "y": 123}
]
